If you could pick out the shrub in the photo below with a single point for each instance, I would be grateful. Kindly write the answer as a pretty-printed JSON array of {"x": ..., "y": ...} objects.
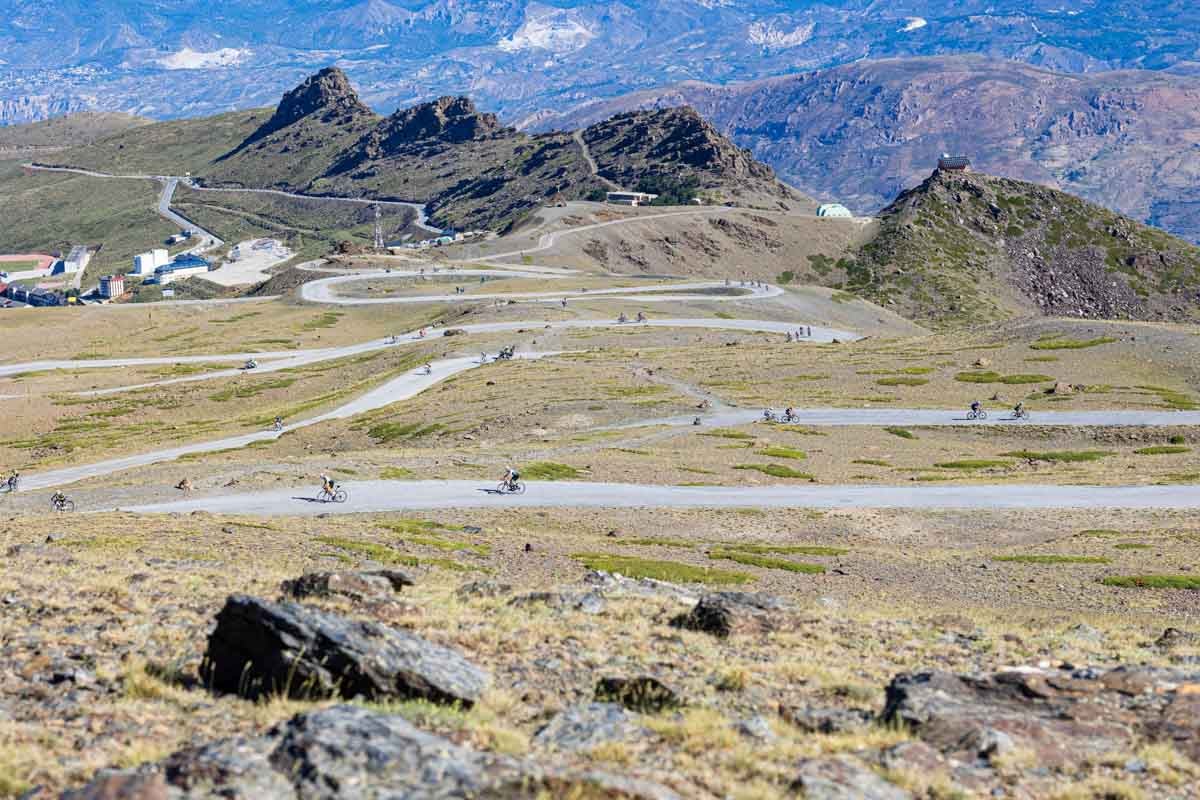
[
  {"x": 786, "y": 277},
  {"x": 788, "y": 549},
  {"x": 1163, "y": 450},
  {"x": 1178, "y": 439},
  {"x": 901, "y": 432},
  {"x": 783, "y": 452},
  {"x": 996, "y": 377}
]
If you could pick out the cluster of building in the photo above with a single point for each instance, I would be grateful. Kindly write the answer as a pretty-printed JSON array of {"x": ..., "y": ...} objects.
[
  {"x": 37, "y": 296},
  {"x": 449, "y": 236}
]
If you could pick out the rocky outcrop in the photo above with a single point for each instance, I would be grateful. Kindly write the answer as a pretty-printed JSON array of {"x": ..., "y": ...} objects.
[
  {"x": 447, "y": 119},
  {"x": 349, "y": 751},
  {"x": 1061, "y": 716},
  {"x": 326, "y": 96},
  {"x": 736, "y": 613},
  {"x": 583, "y": 728},
  {"x": 260, "y": 648}
]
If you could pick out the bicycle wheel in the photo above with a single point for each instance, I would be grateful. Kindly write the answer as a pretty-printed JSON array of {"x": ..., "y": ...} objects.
[
  {"x": 518, "y": 488},
  {"x": 340, "y": 496},
  {"x": 982, "y": 415},
  {"x": 68, "y": 506}
]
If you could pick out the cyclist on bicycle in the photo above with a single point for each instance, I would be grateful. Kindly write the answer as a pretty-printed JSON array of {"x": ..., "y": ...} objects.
[
  {"x": 511, "y": 477},
  {"x": 278, "y": 423},
  {"x": 327, "y": 484},
  {"x": 768, "y": 415},
  {"x": 58, "y": 500},
  {"x": 1019, "y": 409},
  {"x": 641, "y": 317},
  {"x": 13, "y": 480},
  {"x": 789, "y": 415},
  {"x": 975, "y": 406}
]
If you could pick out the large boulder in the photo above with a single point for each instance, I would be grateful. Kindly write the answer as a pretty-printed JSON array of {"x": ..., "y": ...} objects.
[
  {"x": 353, "y": 752},
  {"x": 374, "y": 585},
  {"x": 584, "y": 727},
  {"x": 1062, "y": 716},
  {"x": 733, "y": 613},
  {"x": 260, "y": 648}
]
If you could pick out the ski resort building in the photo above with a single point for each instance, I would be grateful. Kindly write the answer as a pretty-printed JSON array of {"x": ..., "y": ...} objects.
[
  {"x": 146, "y": 263},
  {"x": 77, "y": 260},
  {"x": 631, "y": 198},
  {"x": 949, "y": 163},
  {"x": 112, "y": 286}
]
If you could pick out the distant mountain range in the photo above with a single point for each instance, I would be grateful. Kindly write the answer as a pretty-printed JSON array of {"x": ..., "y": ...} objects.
[
  {"x": 166, "y": 58},
  {"x": 860, "y": 133}
]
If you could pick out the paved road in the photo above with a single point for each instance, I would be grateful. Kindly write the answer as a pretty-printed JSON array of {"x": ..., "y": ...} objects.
[
  {"x": 933, "y": 417},
  {"x": 393, "y": 391},
  {"x": 382, "y": 496}
]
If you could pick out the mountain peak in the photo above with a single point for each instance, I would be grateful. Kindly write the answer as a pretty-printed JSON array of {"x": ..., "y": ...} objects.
[
  {"x": 449, "y": 119},
  {"x": 327, "y": 95}
]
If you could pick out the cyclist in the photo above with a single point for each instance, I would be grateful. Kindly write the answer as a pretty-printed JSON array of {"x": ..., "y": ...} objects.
[
  {"x": 768, "y": 415},
  {"x": 511, "y": 476},
  {"x": 13, "y": 480},
  {"x": 1019, "y": 409},
  {"x": 622, "y": 319},
  {"x": 58, "y": 500},
  {"x": 278, "y": 423},
  {"x": 327, "y": 485},
  {"x": 428, "y": 369},
  {"x": 975, "y": 408},
  {"x": 789, "y": 415},
  {"x": 641, "y": 317}
]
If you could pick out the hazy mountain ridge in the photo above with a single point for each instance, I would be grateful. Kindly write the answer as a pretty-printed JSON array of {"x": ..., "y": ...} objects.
[
  {"x": 861, "y": 133},
  {"x": 187, "y": 58}
]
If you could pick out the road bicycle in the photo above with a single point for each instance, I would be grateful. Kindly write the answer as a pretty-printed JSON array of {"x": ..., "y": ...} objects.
[
  {"x": 62, "y": 504},
  {"x": 338, "y": 495},
  {"x": 980, "y": 414},
  {"x": 510, "y": 487}
]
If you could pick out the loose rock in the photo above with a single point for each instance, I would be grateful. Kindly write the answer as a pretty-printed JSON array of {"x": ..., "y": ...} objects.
[
  {"x": 261, "y": 648},
  {"x": 735, "y": 613}
]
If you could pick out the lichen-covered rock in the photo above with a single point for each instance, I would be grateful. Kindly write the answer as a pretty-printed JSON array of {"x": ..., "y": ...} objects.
[
  {"x": 843, "y": 778},
  {"x": 260, "y": 648},
  {"x": 353, "y": 752},
  {"x": 585, "y": 727},
  {"x": 377, "y": 584},
  {"x": 736, "y": 613},
  {"x": 1061, "y": 716}
]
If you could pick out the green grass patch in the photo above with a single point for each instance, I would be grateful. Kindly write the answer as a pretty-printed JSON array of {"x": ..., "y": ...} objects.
[
  {"x": 386, "y": 555},
  {"x": 1064, "y": 456},
  {"x": 1052, "y": 559},
  {"x": 250, "y": 390},
  {"x": 973, "y": 463},
  {"x": 801, "y": 430},
  {"x": 1041, "y": 359},
  {"x": 653, "y": 541},
  {"x": 775, "y": 470},
  {"x": 396, "y": 474},
  {"x": 723, "y": 315},
  {"x": 549, "y": 471},
  {"x": 673, "y": 571},
  {"x": 1163, "y": 450},
  {"x": 871, "y": 462},
  {"x": 996, "y": 377},
  {"x": 725, "y": 433},
  {"x": 387, "y": 432},
  {"x": 1173, "y": 399},
  {"x": 783, "y": 452},
  {"x": 765, "y": 562},
  {"x": 1153, "y": 581},
  {"x": 902, "y": 380},
  {"x": 1131, "y": 546},
  {"x": 786, "y": 549},
  {"x": 903, "y": 433},
  {"x": 325, "y": 320},
  {"x": 1070, "y": 344}
]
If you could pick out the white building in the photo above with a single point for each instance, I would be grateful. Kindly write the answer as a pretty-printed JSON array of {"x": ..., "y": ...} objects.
[
  {"x": 146, "y": 263},
  {"x": 631, "y": 198},
  {"x": 77, "y": 259},
  {"x": 112, "y": 286},
  {"x": 834, "y": 210}
]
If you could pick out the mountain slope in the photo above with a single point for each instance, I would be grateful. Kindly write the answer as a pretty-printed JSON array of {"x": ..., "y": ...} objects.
[
  {"x": 862, "y": 132},
  {"x": 472, "y": 171},
  {"x": 963, "y": 248}
]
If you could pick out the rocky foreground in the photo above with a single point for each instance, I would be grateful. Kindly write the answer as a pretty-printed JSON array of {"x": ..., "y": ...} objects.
[{"x": 626, "y": 690}]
